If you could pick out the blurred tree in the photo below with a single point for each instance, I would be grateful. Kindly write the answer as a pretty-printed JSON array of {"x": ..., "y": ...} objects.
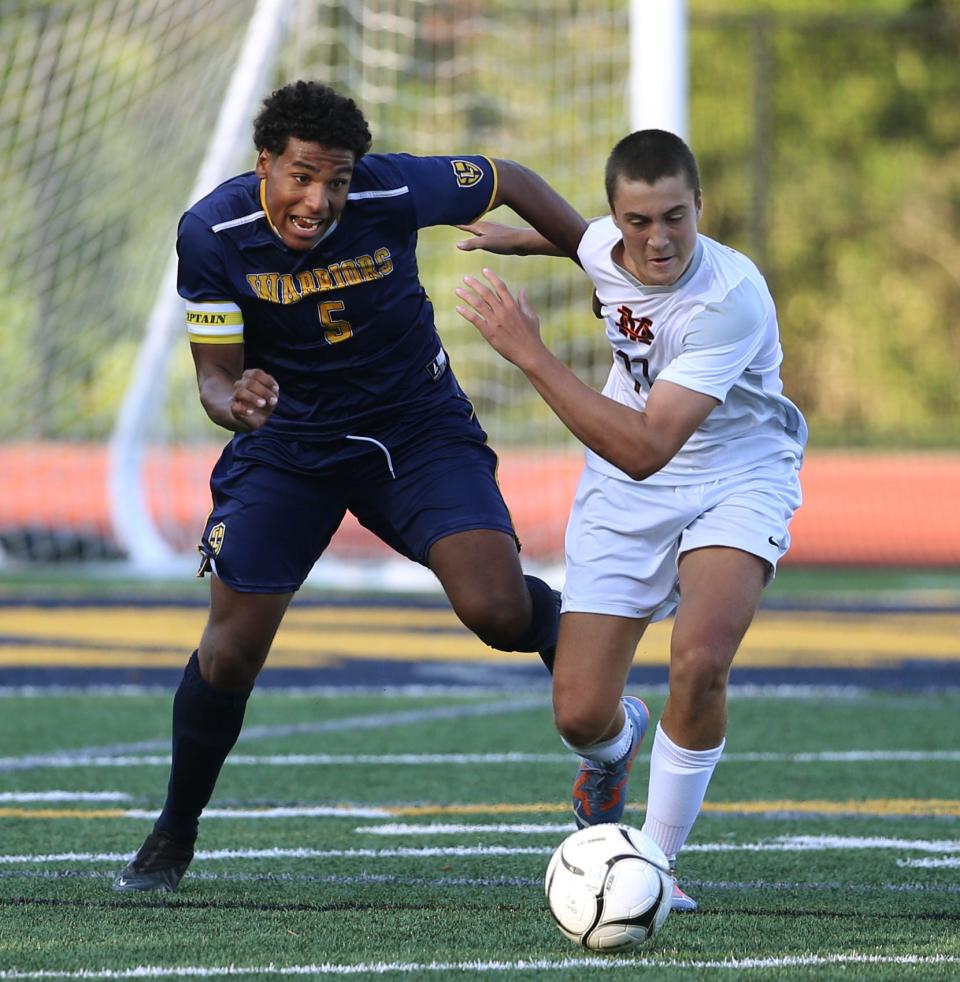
[{"x": 861, "y": 200}]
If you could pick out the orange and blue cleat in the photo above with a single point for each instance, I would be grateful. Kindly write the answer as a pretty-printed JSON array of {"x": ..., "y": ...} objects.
[{"x": 600, "y": 790}]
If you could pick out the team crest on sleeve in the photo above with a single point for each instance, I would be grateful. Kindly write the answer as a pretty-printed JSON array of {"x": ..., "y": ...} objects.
[
  {"x": 215, "y": 538},
  {"x": 468, "y": 173}
]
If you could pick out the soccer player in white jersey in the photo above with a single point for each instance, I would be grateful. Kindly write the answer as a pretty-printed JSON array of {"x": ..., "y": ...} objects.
[{"x": 691, "y": 475}]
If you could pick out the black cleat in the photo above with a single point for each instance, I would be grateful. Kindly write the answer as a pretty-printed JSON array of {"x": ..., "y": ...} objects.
[{"x": 159, "y": 864}]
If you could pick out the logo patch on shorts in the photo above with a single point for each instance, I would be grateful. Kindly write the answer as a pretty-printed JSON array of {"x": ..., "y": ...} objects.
[
  {"x": 438, "y": 366},
  {"x": 215, "y": 538},
  {"x": 468, "y": 173}
]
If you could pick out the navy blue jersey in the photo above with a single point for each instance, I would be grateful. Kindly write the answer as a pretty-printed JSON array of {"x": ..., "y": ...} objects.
[{"x": 346, "y": 328}]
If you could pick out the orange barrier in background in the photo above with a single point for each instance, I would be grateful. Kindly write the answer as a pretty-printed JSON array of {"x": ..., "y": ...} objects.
[{"x": 860, "y": 508}]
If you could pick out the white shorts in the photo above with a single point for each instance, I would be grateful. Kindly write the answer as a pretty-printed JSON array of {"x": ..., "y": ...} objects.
[{"x": 624, "y": 538}]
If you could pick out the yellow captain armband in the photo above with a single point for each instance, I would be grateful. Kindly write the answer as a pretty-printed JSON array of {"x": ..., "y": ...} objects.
[{"x": 214, "y": 322}]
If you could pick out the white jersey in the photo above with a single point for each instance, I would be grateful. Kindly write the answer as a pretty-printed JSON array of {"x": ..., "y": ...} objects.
[{"x": 713, "y": 331}]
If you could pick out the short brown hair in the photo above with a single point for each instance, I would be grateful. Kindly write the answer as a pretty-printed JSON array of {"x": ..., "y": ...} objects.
[{"x": 648, "y": 155}]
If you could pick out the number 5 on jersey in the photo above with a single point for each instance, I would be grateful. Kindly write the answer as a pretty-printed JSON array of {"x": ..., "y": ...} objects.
[{"x": 334, "y": 329}]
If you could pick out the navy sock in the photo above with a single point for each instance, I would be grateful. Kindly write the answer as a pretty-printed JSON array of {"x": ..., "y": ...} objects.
[
  {"x": 206, "y": 724},
  {"x": 541, "y": 635}
]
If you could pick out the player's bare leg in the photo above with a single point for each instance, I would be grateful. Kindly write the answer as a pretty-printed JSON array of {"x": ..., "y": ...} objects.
[
  {"x": 719, "y": 589},
  {"x": 239, "y": 632},
  {"x": 594, "y": 655},
  {"x": 208, "y": 711},
  {"x": 595, "y": 720},
  {"x": 719, "y": 592},
  {"x": 481, "y": 574}
]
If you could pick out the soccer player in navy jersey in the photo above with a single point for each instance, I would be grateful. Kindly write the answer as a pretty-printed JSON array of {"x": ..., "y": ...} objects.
[{"x": 314, "y": 342}]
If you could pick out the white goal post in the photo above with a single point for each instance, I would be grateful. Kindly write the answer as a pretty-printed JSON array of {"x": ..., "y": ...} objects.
[{"x": 137, "y": 534}]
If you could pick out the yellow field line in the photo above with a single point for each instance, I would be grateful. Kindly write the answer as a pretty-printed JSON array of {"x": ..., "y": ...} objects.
[
  {"x": 153, "y": 623},
  {"x": 314, "y": 637},
  {"x": 405, "y": 648},
  {"x": 875, "y": 806},
  {"x": 871, "y": 807}
]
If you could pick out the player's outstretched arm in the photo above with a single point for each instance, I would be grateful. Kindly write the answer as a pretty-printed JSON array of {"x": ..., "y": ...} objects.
[
  {"x": 235, "y": 398},
  {"x": 639, "y": 443},
  {"x": 529, "y": 195},
  {"x": 506, "y": 240}
]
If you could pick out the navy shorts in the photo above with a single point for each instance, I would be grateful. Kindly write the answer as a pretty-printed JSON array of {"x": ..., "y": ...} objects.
[{"x": 277, "y": 505}]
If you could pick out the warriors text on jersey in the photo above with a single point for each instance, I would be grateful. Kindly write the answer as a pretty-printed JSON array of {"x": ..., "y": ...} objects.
[
  {"x": 346, "y": 328},
  {"x": 713, "y": 331}
]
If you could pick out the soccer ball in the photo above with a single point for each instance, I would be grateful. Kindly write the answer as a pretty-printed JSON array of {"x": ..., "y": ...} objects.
[{"x": 609, "y": 887}]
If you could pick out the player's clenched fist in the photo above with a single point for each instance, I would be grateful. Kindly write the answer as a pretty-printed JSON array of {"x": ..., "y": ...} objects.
[{"x": 255, "y": 396}]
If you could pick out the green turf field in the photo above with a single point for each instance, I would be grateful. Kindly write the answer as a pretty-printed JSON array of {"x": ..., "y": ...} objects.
[{"x": 400, "y": 835}]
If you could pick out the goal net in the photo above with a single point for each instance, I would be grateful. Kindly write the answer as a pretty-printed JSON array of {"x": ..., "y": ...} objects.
[{"x": 118, "y": 113}]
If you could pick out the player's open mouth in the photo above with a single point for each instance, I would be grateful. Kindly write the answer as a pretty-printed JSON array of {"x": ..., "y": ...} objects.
[{"x": 305, "y": 224}]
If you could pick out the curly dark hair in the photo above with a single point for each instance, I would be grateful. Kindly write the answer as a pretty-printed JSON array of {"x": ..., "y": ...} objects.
[{"x": 312, "y": 112}]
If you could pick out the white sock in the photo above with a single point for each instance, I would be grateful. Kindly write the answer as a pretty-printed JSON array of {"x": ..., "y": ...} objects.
[
  {"x": 607, "y": 751},
  {"x": 678, "y": 784}
]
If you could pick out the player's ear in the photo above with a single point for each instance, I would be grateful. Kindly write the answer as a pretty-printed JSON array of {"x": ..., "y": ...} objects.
[{"x": 263, "y": 163}]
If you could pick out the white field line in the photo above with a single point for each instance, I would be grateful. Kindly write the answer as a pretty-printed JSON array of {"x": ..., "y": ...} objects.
[
  {"x": 24, "y": 796},
  {"x": 543, "y": 964},
  {"x": 948, "y": 862},
  {"x": 796, "y": 843},
  {"x": 417, "y": 760},
  {"x": 412, "y": 691},
  {"x": 366, "y": 721},
  {"x": 844, "y": 756},
  {"x": 803, "y": 843},
  {"x": 529, "y": 828},
  {"x": 784, "y": 843},
  {"x": 310, "y": 760},
  {"x": 821, "y": 843},
  {"x": 300, "y": 853},
  {"x": 418, "y": 690}
]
